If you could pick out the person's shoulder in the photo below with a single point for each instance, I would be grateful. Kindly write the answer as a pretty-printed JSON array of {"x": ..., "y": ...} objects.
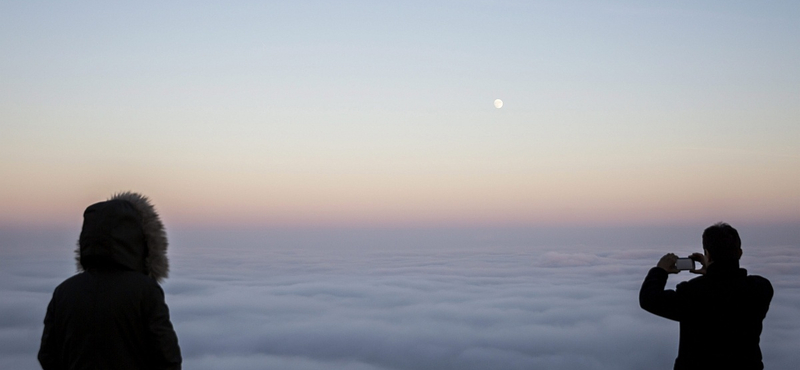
[
  {"x": 759, "y": 281},
  {"x": 692, "y": 283},
  {"x": 134, "y": 284},
  {"x": 72, "y": 284},
  {"x": 758, "y": 278},
  {"x": 139, "y": 279},
  {"x": 145, "y": 286},
  {"x": 72, "y": 280}
]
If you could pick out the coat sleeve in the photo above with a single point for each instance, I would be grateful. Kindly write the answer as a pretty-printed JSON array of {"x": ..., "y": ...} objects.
[
  {"x": 655, "y": 299},
  {"x": 765, "y": 292},
  {"x": 164, "y": 342},
  {"x": 49, "y": 349}
]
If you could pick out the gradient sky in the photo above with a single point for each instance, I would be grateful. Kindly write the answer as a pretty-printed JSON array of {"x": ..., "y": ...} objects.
[{"x": 378, "y": 113}]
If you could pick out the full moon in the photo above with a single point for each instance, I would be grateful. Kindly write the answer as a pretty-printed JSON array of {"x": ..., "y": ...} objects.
[{"x": 498, "y": 103}]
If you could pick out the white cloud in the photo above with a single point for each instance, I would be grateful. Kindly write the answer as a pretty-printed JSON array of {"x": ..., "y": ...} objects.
[{"x": 273, "y": 303}]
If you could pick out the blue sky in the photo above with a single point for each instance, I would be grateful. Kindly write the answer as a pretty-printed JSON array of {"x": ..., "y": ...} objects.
[{"x": 357, "y": 113}]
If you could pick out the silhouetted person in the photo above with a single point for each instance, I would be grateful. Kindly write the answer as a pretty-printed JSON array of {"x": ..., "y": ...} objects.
[
  {"x": 113, "y": 315},
  {"x": 720, "y": 312}
]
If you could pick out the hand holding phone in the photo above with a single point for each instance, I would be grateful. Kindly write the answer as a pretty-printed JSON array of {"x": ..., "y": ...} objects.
[
  {"x": 700, "y": 258},
  {"x": 667, "y": 263}
]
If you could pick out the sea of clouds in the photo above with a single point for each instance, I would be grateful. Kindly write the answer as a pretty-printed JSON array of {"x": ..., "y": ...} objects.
[{"x": 409, "y": 299}]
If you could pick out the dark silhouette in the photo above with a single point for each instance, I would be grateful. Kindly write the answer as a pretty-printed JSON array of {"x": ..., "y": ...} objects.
[
  {"x": 112, "y": 315},
  {"x": 720, "y": 312}
]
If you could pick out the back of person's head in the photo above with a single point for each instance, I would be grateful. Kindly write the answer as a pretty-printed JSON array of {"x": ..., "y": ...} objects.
[
  {"x": 124, "y": 232},
  {"x": 722, "y": 242}
]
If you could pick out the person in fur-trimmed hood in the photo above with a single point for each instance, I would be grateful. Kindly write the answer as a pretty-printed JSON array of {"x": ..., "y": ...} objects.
[{"x": 112, "y": 314}]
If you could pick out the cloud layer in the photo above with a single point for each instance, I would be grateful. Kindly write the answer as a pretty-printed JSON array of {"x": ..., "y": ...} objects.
[{"x": 403, "y": 300}]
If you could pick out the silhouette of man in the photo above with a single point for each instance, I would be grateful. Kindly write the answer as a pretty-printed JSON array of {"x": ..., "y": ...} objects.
[
  {"x": 113, "y": 315},
  {"x": 720, "y": 312}
]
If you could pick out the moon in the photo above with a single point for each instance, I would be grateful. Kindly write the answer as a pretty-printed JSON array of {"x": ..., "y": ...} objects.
[{"x": 498, "y": 103}]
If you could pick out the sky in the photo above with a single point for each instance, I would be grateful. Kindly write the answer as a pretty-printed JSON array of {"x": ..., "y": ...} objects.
[{"x": 380, "y": 114}]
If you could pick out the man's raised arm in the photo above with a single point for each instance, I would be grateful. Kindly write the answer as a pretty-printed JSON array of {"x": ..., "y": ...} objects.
[{"x": 652, "y": 296}]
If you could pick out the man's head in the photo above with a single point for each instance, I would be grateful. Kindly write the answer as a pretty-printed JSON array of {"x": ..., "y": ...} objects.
[{"x": 722, "y": 243}]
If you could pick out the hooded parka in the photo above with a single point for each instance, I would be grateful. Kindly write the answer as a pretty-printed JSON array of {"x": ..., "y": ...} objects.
[{"x": 112, "y": 314}]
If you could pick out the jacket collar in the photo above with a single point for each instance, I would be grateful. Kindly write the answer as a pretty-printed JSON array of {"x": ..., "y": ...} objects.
[{"x": 726, "y": 268}]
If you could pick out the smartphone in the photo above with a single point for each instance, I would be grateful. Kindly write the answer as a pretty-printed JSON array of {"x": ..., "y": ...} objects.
[{"x": 684, "y": 264}]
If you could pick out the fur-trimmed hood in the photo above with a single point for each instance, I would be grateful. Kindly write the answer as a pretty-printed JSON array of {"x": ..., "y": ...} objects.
[{"x": 124, "y": 232}]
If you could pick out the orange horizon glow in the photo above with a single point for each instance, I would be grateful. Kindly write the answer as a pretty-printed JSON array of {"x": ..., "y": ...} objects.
[
  {"x": 551, "y": 195},
  {"x": 443, "y": 203}
]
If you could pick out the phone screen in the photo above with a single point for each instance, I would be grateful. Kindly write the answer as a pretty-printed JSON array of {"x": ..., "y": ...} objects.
[{"x": 684, "y": 264}]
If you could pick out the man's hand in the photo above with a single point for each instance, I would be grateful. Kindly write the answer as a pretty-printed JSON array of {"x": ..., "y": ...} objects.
[
  {"x": 667, "y": 263},
  {"x": 700, "y": 258}
]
